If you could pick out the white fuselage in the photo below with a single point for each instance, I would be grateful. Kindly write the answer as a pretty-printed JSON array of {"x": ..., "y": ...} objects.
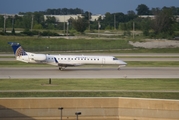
[
  {"x": 62, "y": 61},
  {"x": 68, "y": 60}
]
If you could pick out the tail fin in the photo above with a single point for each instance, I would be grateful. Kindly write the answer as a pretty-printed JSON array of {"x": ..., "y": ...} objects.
[{"x": 18, "y": 51}]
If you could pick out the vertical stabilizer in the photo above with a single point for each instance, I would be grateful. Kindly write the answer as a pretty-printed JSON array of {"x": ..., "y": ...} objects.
[{"x": 18, "y": 50}]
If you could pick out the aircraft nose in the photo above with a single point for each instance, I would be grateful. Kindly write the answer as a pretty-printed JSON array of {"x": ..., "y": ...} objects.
[{"x": 122, "y": 62}]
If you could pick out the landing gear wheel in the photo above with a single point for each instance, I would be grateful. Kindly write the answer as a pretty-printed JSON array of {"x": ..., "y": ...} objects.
[
  {"x": 60, "y": 68},
  {"x": 119, "y": 68}
]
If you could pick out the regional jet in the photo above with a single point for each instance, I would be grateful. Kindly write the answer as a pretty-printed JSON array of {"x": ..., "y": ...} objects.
[{"x": 63, "y": 61}]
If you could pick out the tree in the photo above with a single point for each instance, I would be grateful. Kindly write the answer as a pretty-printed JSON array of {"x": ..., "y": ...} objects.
[
  {"x": 50, "y": 22},
  {"x": 163, "y": 22},
  {"x": 80, "y": 24},
  {"x": 27, "y": 20},
  {"x": 142, "y": 9},
  {"x": 1, "y": 21},
  {"x": 87, "y": 15},
  {"x": 50, "y": 19},
  {"x": 130, "y": 12},
  {"x": 38, "y": 17},
  {"x": 18, "y": 22},
  {"x": 154, "y": 11},
  {"x": 145, "y": 26},
  {"x": 63, "y": 11}
]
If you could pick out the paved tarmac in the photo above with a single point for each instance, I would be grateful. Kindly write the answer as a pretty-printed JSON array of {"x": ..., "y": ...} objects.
[{"x": 89, "y": 72}]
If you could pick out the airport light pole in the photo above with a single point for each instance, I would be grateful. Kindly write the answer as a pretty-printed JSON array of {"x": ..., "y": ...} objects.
[
  {"x": 64, "y": 25},
  {"x": 133, "y": 29},
  {"x": 61, "y": 108},
  {"x": 67, "y": 27},
  {"x": 5, "y": 17},
  {"x": 114, "y": 22},
  {"x": 99, "y": 26},
  {"x": 32, "y": 22},
  {"x": 13, "y": 31},
  {"x": 77, "y": 113}
]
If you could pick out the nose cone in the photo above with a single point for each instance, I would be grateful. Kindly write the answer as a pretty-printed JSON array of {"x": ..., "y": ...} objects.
[{"x": 120, "y": 62}]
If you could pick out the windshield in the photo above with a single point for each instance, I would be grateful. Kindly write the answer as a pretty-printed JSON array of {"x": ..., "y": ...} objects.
[{"x": 115, "y": 58}]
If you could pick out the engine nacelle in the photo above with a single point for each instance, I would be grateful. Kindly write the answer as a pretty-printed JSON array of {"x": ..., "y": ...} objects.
[{"x": 38, "y": 57}]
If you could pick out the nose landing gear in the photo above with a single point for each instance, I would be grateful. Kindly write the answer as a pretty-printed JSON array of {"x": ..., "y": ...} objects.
[
  {"x": 62, "y": 68},
  {"x": 119, "y": 68}
]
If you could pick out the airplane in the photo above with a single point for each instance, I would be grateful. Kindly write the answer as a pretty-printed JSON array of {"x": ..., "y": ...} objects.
[{"x": 63, "y": 61}]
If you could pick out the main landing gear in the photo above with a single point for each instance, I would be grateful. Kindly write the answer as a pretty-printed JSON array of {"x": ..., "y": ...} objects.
[
  {"x": 119, "y": 68},
  {"x": 62, "y": 68}
]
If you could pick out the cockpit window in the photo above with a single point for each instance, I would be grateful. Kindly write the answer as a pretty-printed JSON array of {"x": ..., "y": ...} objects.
[{"x": 115, "y": 58}]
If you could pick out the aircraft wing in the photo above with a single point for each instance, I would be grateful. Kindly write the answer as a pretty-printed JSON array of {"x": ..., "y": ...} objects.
[{"x": 69, "y": 64}]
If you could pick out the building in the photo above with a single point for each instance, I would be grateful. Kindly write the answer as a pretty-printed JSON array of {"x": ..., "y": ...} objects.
[{"x": 65, "y": 18}]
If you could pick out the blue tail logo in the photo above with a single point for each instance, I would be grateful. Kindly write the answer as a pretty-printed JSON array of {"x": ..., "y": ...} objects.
[{"x": 18, "y": 50}]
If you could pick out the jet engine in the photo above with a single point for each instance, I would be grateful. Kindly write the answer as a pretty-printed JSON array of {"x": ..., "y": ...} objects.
[{"x": 38, "y": 57}]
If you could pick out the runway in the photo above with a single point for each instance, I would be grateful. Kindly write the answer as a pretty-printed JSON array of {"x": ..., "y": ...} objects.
[
  {"x": 89, "y": 72},
  {"x": 97, "y": 72}
]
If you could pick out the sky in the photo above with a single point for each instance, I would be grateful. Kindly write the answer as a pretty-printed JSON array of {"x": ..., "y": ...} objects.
[{"x": 94, "y": 6}]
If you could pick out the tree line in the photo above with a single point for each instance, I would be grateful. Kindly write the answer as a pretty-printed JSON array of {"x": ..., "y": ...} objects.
[{"x": 164, "y": 24}]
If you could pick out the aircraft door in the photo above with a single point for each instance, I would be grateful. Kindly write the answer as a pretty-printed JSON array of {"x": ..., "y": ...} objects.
[
  {"x": 68, "y": 59},
  {"x": 103, "y": 60}
]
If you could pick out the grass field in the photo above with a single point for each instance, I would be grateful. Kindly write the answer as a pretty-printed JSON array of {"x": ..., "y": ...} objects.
[
  {"x": 35, "y": 44},
  {"x": 45, "y": 44},
  {"x": 148, "y": 88},
  {"x": 89, "y": 84}
]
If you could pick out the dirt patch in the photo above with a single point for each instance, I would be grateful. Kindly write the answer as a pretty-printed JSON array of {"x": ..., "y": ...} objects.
[{"x": 156, "y": 43}]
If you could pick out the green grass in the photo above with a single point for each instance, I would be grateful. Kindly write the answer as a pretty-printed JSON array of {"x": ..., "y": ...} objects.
[
  {"x": 89, "y": 84},
  {"x": 20, "y": 64},
  {"x": 153, "y": 63},
  {"x": 158, "y": 95},
  {"x": 45, "y": 44},
  {"x": 7, "y": 57},
  {"x": 165, "y": 88},
  {"x": 34, "y": 44},
  {"x": 129, "y": 64}
]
